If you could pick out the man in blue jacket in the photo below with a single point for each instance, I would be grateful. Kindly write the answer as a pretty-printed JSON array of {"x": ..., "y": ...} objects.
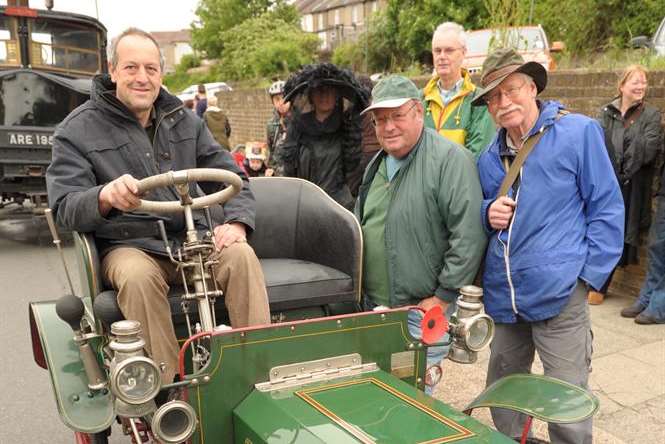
[{"x": 556, "y": 232}]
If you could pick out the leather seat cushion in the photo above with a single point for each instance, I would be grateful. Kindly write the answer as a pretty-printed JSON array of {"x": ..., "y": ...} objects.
[
  {"x": 291, "y": 284},
  {"x": 294, "y": 283}
]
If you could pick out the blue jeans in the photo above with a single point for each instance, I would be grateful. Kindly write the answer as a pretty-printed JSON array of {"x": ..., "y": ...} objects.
[{"x": 652, "y": 294}]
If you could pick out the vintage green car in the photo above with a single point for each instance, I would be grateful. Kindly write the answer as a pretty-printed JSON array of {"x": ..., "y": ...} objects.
[{"x": 323, "y": 372}]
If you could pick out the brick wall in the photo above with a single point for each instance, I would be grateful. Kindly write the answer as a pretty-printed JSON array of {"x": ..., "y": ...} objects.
[
  {"x": 248, "y": 112},
  {"x": 583, "y": 92}
]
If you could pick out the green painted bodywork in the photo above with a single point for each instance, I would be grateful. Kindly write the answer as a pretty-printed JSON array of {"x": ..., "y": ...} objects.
[
  {"x": 373, "y": 407},
  {"x": 80, "y": 409},
  {"x": 544, "y": 398},
  {"x": 241, "y": 359}
]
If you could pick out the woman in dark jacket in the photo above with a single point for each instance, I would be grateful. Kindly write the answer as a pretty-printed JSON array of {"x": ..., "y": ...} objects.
[
  {"x": 634, "y": 137},
  {"x": 324, "y": 136}
]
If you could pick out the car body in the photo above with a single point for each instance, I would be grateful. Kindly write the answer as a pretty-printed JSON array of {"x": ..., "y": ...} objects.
[
  {"x": 530, "y": 41},
  {"x": 657, "y": 42},
  {"x": 322, "y": 372},
  {"x": 213, "y": 88}
]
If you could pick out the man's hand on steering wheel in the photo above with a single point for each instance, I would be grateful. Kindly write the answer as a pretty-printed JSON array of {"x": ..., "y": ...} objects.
[
  {"x": 230, "y": 233},
  {"x": 122, "y": 193}
]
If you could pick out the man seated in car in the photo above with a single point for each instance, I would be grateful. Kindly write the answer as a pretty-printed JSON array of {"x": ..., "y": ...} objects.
[{"x": 131, "y": 128}]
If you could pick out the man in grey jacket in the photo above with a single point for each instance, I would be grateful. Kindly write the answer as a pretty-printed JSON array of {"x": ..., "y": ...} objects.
[{"x": 130, "y": 129}]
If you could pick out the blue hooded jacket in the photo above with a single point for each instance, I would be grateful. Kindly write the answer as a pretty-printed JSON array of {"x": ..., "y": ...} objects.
[{"x": 567, "y": 225}]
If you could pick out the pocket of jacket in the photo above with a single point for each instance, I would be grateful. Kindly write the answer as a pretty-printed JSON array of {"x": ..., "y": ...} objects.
[{"x": 111, "y": 161}]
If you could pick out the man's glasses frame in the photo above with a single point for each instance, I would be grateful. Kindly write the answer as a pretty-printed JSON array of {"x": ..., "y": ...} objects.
[
  {"x": 512, "y": 93},
  {"x": 395, "y": 117}
]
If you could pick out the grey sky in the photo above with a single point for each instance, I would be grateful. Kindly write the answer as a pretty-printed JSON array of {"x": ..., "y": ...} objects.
[{"x": 116, "y": 15}]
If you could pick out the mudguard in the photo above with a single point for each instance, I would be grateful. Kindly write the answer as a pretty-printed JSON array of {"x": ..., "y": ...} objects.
[{"x": 80, "y": 409}]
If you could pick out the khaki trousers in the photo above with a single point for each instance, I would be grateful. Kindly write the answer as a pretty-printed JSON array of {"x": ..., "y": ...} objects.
[{"x": 142, "y": 281}]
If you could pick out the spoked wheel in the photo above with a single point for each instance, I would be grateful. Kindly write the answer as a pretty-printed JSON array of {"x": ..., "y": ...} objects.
[{"x": 91, "y": 438}]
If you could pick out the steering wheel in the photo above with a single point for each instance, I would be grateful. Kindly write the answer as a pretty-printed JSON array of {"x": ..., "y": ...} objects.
[{"x": 181, "y": 180}]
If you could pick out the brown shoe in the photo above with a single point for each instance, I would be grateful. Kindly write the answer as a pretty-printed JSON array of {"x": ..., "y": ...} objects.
[
  {"x": 632, "y": 311},
  {"x": 595, "y": 298},
  {"x": 645, "y": 319}
]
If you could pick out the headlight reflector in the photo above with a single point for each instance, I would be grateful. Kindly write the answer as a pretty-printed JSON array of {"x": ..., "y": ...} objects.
[
  {"x": 479, "y": 332},
  {"x": 136, "y": 380}
]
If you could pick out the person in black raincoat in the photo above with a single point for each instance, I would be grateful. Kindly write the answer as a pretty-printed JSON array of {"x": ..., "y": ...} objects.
[
  {"x": 634, "y": 137},
  {"x": 324, "y": 137}
]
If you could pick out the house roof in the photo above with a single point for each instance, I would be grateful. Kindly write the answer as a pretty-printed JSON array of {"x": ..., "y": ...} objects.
[
  {"x": 165, "y": 37},
  {"x": 314, "y": 6}
]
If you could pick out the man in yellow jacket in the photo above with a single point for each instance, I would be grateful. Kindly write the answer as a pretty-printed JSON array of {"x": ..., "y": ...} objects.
[{"x": 449, "y": 93}]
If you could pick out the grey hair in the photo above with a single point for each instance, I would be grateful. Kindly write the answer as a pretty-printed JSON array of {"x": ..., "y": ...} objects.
[
  {"x": 113, "y": 47},
  {"x": 527, "y": 78},
  {"x": 451, "y": 27}
]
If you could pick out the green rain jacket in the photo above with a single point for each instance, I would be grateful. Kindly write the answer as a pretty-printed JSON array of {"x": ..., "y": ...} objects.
[
  {"x": 433, "y": 233},
  {"x": 470, "y": 126}
]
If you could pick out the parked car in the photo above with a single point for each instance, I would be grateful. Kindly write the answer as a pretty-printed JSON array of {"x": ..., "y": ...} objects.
[
  {"x": 213, "y": 88},
  {"x": 657, "y": 42},
  {"x": 530, "y": 41}
]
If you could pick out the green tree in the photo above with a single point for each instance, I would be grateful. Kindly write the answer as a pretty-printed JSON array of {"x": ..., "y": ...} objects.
[
  {"x": 265, "y": 46},
  {"x": 218, "y": 16},
  {"x": 597, "y": 25},
  {"x": 400, "y": 35}
]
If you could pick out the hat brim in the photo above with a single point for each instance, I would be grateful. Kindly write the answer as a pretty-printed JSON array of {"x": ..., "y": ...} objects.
[
  {"x": 392, "y": 103},
  {"x": 345, "y": 90},
  {"x": 533, "y": 69}
]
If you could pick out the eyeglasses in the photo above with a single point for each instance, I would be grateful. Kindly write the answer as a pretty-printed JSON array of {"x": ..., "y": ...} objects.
[
  {"x": 511, "y": 93},
  {"x": 395, "y": 117},
  {"x": 448, "y": 51}
]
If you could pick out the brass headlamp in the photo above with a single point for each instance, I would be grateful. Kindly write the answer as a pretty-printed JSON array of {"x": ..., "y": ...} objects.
[
  {"x": 471, "y": 329},
  {"x": 134, "y": 378}
]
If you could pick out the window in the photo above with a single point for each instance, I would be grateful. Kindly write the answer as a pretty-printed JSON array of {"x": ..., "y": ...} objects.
[
  {"x": 356, "y": 14},
  {"x": 63, "y": 46},
  {"x": 9, "y": 52},
  {"x": 320, "y": 27},
  {"x": 337, "y": 17},
  {"x": 307, "y": 23}
]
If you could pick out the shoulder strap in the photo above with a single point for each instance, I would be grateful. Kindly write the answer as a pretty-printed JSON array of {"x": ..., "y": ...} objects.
[{"x": 514, "y": 169}]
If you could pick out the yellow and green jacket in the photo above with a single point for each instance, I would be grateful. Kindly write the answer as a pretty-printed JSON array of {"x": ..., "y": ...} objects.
[{"x": 470, "y": 126}]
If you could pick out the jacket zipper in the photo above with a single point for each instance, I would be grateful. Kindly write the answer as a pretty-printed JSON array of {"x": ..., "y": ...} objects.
[{"x": 154, "y": 137}]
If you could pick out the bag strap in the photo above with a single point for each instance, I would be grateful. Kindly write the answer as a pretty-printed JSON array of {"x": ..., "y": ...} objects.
[{"x": 514, "y": 170}]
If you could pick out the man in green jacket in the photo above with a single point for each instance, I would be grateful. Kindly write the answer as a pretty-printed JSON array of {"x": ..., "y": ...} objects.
[
  {"x": 419, "y": 206},
  {"x": 449, "y": 93}
]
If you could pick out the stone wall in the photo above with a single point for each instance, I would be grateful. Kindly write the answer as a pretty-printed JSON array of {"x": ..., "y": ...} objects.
[{"x": 583, "y": 92}]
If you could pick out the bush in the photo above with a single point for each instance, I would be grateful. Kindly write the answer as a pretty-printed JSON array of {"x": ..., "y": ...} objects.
[
  {"x": 265, "y": 46},
  {"x": 350, "y": 55},
  {"x": 188, "y": 61}
]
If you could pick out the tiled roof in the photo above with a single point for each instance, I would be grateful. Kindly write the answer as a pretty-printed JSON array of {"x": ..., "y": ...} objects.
[
  {"x": 165, "y": 37},
  {"x": 313, "y": 6}
]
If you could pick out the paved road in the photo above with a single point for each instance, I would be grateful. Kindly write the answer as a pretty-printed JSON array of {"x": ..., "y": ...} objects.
[
  {"x": 628, "y": 377},
  {"x": 30, "y": 270}
]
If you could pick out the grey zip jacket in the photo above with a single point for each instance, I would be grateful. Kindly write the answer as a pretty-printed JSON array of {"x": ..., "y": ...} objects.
[{"x": 101, "y": 140}]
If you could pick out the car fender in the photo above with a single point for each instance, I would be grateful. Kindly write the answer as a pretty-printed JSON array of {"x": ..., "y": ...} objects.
[{"x": 80, "y": 408}]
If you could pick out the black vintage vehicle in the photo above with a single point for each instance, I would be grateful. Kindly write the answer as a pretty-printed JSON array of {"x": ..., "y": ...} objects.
[{"x": 47, "y": 60}]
